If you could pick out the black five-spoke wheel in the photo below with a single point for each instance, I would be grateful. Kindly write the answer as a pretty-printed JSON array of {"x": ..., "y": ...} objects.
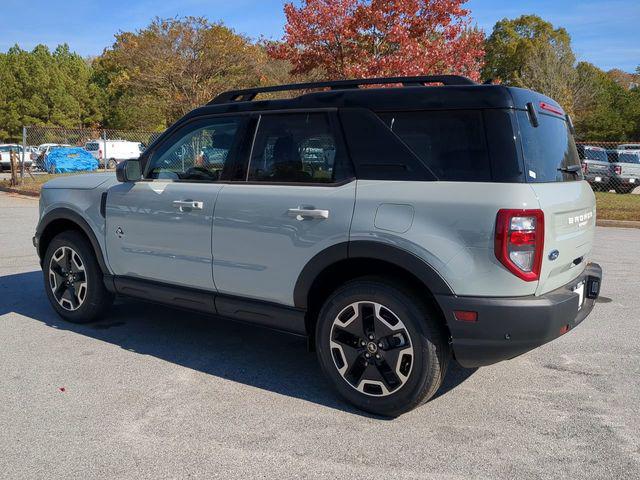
[{"x": 371, "y": 348}]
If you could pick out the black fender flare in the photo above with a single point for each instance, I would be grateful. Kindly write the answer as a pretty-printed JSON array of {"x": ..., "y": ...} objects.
[
  {"x": 76, "y": 218},
  {"x": 365, "y": 249}
]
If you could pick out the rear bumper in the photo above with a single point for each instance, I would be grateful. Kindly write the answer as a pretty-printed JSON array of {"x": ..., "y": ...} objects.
[
  {"x": 616, "y": 180},
  {"x": 593, "y": 178},
  {"x": 508, "y": 327}
]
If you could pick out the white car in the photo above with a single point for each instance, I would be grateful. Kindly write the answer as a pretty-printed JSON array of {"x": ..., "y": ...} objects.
[
  {"x": 112, "y": 152},
  {"x": 5, "y": 159}
]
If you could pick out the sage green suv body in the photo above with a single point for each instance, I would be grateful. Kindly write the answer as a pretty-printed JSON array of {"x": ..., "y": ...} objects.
[{"x": 393, "y": 227}]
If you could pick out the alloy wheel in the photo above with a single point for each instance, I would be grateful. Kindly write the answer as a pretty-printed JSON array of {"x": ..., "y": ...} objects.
[
  {"x": 371, "y": 348},
  {"x": 67, "y": 278}
]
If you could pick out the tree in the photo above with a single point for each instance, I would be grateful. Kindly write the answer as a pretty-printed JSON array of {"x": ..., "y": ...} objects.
[
  {"x": 529, "y": 52},
  {"x": 158, "y": 74},
  {"x": 364, "y": 38},
  {"x": 44, "y": 88},
  {"x": 600, "y": 118}
]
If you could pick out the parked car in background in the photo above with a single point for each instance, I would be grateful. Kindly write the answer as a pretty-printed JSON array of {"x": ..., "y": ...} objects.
[
  {"x": 5, "y": 158},
  {"x": 44, "y": 150},
  {"x": 69, "y": 159},
  {"x": 625, "y": 170},
  {"x": 112, "y": 152},
  {"x": 595, "y": 166}
]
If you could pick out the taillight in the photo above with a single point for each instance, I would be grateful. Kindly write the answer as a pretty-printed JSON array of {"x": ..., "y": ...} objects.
[
  {"x": 100, "y": 154},
  {"x": 617, "y": 169},
  {"x": 585, "y": 168},
  {"x": 519, "y": 242}
]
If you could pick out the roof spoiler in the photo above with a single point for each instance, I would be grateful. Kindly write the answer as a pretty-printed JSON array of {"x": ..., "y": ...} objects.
[{"x": 248, "y": 94}]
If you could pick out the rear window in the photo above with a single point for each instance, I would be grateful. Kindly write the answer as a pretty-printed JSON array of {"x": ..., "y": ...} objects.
[
  {"x": 547, "y": 149},
  {"x": 92, "y": 147},
  {"x": 628, "y": 157},
  {"x": 451, "y": 143},
  {"x": 600, "y": 155}
]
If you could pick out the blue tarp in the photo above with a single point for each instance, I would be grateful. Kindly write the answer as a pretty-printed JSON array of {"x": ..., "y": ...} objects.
[{"x": 70, "y": 159}]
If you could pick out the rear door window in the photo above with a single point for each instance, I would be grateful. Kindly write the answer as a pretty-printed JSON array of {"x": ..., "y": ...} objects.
[
  {"x": 547, "y": 149},
  {"x": 451, "y": 143},
  {"x": 297, "y": 148}
]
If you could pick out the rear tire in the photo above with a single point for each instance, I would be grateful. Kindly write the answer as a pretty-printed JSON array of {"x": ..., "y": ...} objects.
[
  {"x": 624, "y": 190},
  {"x": 111, "y": 164},
  {"x": 381, "y": 347},
  {"x": 73, "y": 279}
]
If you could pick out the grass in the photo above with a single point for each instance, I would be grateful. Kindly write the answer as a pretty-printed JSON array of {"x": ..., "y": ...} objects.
[
  {"x": 614, "y": 206},
  {"x": 32, "y": 186},
  {"x": 610, "y": 206}
]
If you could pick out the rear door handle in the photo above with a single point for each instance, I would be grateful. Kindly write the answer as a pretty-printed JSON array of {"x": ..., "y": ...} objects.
[
  {"x": 194, "y": 205},
  {"x": 302, "y": 213}
]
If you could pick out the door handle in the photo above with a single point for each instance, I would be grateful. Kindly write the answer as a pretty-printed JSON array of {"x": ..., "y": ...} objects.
[
  {"x": 188, "y": 204},
  {"x": 302, "y": 213}
]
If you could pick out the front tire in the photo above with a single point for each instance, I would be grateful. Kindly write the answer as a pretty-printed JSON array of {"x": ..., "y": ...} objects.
[
  {"x": 381, "y": 347},
  {"x": 73, "y": 279}
]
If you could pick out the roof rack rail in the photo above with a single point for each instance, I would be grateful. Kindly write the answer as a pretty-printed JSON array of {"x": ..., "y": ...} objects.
[{"x": 248, "y": 94}]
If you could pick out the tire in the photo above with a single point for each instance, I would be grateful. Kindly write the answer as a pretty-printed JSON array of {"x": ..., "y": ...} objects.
[
  {"x": 623, "y": 190},
  {"x": 111, "y": 164},
  {"x": 408, "y": 354},
  {"x": 85, "y": 299}
]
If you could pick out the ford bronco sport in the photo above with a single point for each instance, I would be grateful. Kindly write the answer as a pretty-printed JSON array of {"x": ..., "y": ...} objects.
[{"x": 393, "y": 227}]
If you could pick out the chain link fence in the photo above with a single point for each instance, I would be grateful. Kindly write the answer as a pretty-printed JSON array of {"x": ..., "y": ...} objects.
[
  {"x": 107, "y": 147},
  {"x": 611, "y": 166}
]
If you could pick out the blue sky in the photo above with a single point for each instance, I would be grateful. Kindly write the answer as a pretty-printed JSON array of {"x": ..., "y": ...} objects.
[{"x": 606, "y": 33}]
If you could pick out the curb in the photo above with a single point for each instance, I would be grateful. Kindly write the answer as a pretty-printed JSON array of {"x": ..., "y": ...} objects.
[
  {"x": 17, "y": 191},
  {"x": 618, "y": 223}
]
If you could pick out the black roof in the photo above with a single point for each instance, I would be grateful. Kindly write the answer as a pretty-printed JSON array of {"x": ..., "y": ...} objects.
[{"x": 415, "y": 94}]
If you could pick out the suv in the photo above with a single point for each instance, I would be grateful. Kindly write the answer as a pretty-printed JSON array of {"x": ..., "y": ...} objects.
[
  {"x": 625, "y": 170},
  {"x": 392, "y": 227},
  {"x": 595, "y": 166}
]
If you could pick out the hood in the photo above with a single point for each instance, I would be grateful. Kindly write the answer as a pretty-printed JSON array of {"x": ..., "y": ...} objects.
[{"x": 85, "y": 181}]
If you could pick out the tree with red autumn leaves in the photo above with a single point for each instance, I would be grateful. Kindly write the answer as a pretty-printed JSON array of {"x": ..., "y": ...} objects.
[{"x": 368, "y": 38}]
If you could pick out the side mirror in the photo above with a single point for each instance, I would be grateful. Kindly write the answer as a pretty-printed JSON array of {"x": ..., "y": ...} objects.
[{"x": 128, "y": 171}]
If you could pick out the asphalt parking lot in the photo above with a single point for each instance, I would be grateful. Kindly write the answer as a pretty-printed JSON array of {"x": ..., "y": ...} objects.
[{"x": 155, "y": 393}]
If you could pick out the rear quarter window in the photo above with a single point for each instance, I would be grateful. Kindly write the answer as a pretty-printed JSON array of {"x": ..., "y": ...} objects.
[
  {"x": 451, "y": 143},
  {"x": 547, "y": 148},
  {"x": 92, "y": 147}
]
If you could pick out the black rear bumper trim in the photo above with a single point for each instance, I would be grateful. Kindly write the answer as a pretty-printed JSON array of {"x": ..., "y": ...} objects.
[{"x": 508, "y": 327}]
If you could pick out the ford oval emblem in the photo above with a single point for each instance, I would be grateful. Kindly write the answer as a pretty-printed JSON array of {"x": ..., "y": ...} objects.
[{"x": 553, "y": 254}]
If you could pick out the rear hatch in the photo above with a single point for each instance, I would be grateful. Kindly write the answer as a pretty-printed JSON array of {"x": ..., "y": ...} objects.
[
  {"x": 553, "y": 170},
  {"x": 596, "y": 161}
]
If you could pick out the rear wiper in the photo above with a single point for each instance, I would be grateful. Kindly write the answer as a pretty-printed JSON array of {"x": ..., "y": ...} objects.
[{"x": 570, "y": 169}]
